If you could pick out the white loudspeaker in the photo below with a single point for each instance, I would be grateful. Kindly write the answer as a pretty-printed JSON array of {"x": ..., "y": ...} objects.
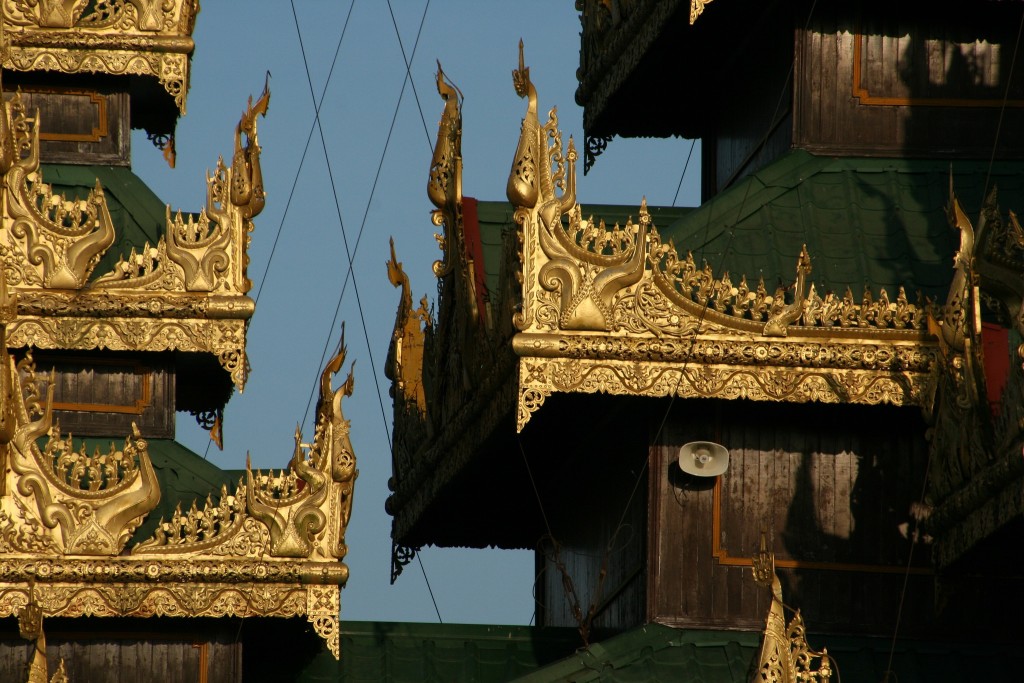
[{"x": 703, "y": 459}]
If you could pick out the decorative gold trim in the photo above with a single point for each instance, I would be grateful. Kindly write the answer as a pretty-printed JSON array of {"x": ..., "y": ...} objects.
[
  {"x": 697, "y": 9},
  {"x": 187, "y": 293},
  {"x": 124, "y": 37},
  {"x": 271, "y": 548},
  {"x": 617, "y": 310}
]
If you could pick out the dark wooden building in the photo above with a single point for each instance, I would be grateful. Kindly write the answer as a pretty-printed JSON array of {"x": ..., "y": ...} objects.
[
  {"x": 136, "y": 557},
  {"x": 829, "y": 314}
]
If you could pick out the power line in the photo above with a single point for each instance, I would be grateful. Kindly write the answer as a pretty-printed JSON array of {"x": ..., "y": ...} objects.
[{"x": 349, "y": 273}]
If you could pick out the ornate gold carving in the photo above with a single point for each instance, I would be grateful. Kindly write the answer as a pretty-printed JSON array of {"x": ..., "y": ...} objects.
[
  {"x": 620, "y": 309},
  {"x": 697, "y": 9},
  {"x": 149, "y": 301},
  {"x": 118, "y": 37},
  {"x": 269, "y": 548},
  {"x": 322, "y": 611},
  {"x": 405, "y": 355},
  {"x": 68, "y": 501},
  {"x": 296, "y": 506},
  {"x": 206, "y": 254},
  {"x": 785, "y": 656},
  {"x": 56, "y": 243},
  {"x": 30, "y": 627}
]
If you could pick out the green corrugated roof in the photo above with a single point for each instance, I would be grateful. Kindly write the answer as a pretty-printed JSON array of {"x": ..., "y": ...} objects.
[
  {"x": 864, "y": 221},
  {"x": 396, "y": 652},
  {"x": 139, "y": 216},
  {"x": 184, "y": 477},
  {"x": 659, "y": 653}
]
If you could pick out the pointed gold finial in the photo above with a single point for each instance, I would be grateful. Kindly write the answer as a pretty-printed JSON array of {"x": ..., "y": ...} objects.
[{"x": 521, "y": 76}]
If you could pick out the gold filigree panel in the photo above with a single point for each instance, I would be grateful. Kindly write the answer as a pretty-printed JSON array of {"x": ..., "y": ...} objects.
[
  {"x": 223, "y": 338},
  {"x": 541, "y": 377},
  {"x": 618, "y": 310},
  {"x": 118, "y": 37},
  {"x": 320, "y": 604}
]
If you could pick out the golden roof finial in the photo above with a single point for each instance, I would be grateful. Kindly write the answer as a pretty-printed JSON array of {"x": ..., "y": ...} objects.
[{"x": 785, "y": 656}]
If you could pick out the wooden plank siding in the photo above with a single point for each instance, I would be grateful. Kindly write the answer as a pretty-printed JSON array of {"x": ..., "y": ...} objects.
[
  {"x": 78, "y": 125},
  {"x": 103, "y": 396},
  {"x": 750, "y": 123},
  {"x": 99, "y": 657},
  {"x": 594, "y": 494},
  {"x": 883, "y": 82},
  {"x": 830, "y": 485}
]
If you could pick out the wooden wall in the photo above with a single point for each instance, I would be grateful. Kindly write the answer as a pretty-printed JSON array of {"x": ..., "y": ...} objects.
[
  {"x": 79, "y": 125},
  {"x": 102, "y": 395},
  {"x": 909, "y": 79},
  {"x": 831, "y": 487},
  {"x": 99, "y": 657},
  {"x": 593, "y": 487},
  {"x": 751, "y": 121}
]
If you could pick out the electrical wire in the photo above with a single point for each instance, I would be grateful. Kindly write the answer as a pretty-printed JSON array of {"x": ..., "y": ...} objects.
[
  {"x": 350, "y": 273},
  {"x": 408, "y": 69},
  {"x": 675, "y": 197}
]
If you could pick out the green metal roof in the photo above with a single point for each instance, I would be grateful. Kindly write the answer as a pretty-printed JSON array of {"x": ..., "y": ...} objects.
[
  {"x": 659, "y": 653},
  {"x": 880, "y": 222},
  {"x": 396, "y": 652},
  {"x": 865, "y": 221},
  {"x": 139, "y": 216},
  {"x": 184, "y": 477}
]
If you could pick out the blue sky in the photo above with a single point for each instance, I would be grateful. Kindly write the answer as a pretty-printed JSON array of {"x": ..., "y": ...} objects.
[{"x": 477, "y": 44}]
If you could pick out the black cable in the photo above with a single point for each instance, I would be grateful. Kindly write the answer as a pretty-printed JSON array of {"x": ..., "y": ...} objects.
[
  {"x": 429, "y": 589},
  {"x": 305, "y": 150},
  {"x": 685, "y": 166},
  {"x": 408, "y": 68},
  {"x": 349, "y": 273}
]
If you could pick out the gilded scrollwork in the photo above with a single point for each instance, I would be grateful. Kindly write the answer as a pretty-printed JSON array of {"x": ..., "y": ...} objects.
[
  {"x": 617, "y": 308},
  {"x": 66, "y": 501},
  {"x": 269, "y": 546},
  {"x": 50, "y": 245},
  {"x": 785, "y": 656},
  {"x": 118, "y": 37},
  {"x": 539, "y": 378}
]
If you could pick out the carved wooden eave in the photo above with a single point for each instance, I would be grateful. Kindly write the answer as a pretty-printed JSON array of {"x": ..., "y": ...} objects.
[
  {"x": 121, "y": 37},
  {"x": 614, "y": 40},
  {"x": 619, "y": 311},
  {"x": 271, "y": 548},
  {"x": 186, "y": 293}
]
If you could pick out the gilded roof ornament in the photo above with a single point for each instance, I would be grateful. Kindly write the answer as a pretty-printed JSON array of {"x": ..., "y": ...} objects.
[
  {"x": 271, "y": 547},
  {"x": 118, "y": 37},
  {"x": 785, "y": 655},
  {"x": 697, "y": 9},
  {"x": 51, "y": 241},
  {"x": 50, "y": 245},
  {"x": 616, "y": 309}
]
